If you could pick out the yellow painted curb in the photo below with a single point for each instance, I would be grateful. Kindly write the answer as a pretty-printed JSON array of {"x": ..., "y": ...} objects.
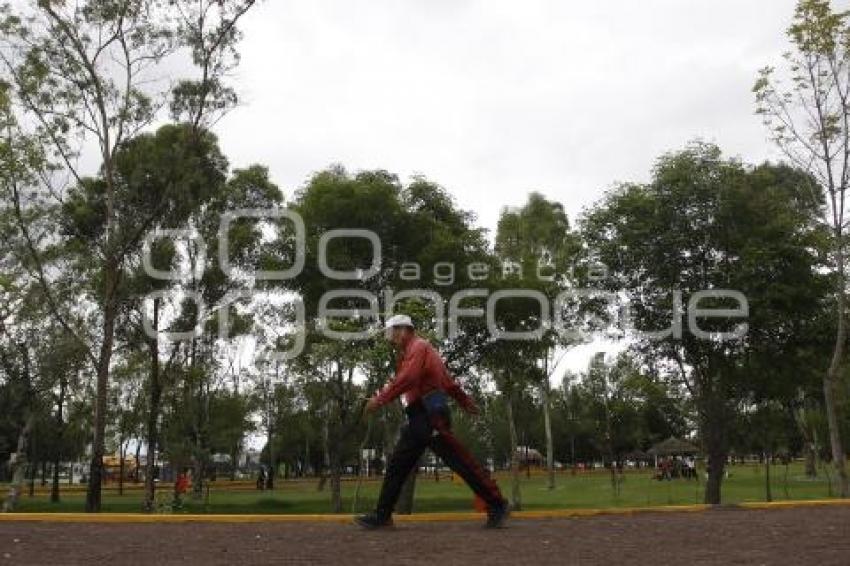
[
  {"x": 416, "y": 518},
  {"x": 792, "y": 504}
]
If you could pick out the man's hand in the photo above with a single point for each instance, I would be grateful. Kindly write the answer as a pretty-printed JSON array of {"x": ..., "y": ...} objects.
[{"x": 371, "y": 406}]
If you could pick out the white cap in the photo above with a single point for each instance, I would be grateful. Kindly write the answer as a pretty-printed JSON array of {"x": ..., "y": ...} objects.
[{"x": 398, "y": 320}]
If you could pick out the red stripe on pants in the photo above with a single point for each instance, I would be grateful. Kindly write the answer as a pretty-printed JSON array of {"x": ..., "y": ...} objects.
[{"x": 452, "y": 452}]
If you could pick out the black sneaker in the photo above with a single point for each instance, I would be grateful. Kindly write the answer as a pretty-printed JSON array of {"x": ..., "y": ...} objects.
[
  {"x": 497, "y": 515},
  {"x": 372, "y": 521}
]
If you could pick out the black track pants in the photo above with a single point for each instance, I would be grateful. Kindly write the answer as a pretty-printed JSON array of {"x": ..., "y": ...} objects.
[{"x": 435, "y": 433}]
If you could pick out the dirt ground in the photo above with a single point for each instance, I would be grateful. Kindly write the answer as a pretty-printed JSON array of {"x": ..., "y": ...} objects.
[{"x": 811, "y": 535}]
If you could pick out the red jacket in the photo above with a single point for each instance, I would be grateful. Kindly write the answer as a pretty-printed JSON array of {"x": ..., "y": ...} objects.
[{"x": 420, "y": 370}]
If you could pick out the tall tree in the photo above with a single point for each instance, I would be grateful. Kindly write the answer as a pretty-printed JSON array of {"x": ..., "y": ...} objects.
[
  {"x": 85, "y": 70},
  {"x": 369, "y": 200},
  {"x": 162, "y": 178},
  {"x": 808, "y": 117},
  {"x": 705, "y": 224},
  {"x": 536, "y": 239},
  {"x": 426, "y": 242}
]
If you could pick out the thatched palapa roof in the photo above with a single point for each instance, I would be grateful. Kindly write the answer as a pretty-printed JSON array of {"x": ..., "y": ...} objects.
[
  {"x": 673, "y": 447},
  {"x": 636, "y": 455}
]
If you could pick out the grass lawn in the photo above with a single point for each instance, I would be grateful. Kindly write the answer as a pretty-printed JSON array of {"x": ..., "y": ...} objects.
[{"x": 584, "y": 490}]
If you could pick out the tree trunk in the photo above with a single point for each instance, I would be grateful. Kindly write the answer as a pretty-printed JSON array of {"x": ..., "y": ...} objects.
[
  {"x": 838, "y": 456},
  {"x": 234, "y": 457},
  {"x": 20, "y": 467},
  {"x": 200, "y": 455},
  {"x": 121, "y": 451},
  {"x": 809, "y": 444},
  {"x": 93, "y": 494},
  {"x": 716, "y": 450},
  {"x": 768, "y": 494},
  {"x": 60, "y": 433},
  {"x": 153, "y": 415},
  {"x": 716, "y": 465},
  {"x": 516, "y": 495},
  {"x": 198, "y": 471},
  {"x": 54, "y": 487},
  {"x": 785, "y": 478},
  {"x": 323, "y": 475},
  {"x": 136, "y": 468},
  {"x": 336, "y": 479},
  {"x": 811, "y": 460},
  {"x": 833, "y": 375},
  {"x": 33, "y": 468},
  {"x": 550, "y": 444},
  {"x": 272, "y": 464},
  {"x": 609, "y": 444}
]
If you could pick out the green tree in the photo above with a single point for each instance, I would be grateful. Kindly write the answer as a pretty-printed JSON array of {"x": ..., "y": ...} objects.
[
  {"x": 421, "y": 233},
  {"x": 230, "y": 423},
  {"x": 536, "y": 239},
  {"x": 707, "y": 224},
  {"x": 808, "y": 117},
  {"x": 60, "y": 70}
]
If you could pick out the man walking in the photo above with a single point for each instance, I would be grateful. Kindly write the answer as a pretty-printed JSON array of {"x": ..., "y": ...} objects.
[{"x": 423, "y": 380}]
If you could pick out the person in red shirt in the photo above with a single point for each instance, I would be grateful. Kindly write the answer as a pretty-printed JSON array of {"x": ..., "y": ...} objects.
[
  {"x": 181, "y": 486},
  {"x": 423, "y": 381}
]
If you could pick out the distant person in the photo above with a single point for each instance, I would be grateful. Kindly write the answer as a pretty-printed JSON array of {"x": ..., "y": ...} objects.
[
  {"x": 422, "y": 378},
  {"x": 261, "y": 478},
  {"x": 691, "y": 467},
  {"x": 665, "y": 469},
  {"x": 181, "y": 487}
]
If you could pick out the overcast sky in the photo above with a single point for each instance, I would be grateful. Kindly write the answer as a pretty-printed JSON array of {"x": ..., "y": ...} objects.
[{"x": 493, "y": 99}]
